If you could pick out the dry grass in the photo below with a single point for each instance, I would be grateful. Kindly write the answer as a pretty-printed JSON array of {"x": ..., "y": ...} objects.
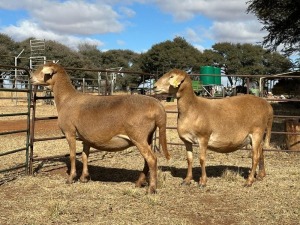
[{"x": 111, "y": 198}]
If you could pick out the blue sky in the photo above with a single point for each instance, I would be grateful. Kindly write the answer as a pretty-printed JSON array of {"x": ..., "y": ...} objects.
[{"x": 130, "y": 24}]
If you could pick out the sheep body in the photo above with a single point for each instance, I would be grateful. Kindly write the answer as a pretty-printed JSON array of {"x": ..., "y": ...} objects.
[
  {"x": 221, "y": 125},
  {"x": 108, "y": 123}
]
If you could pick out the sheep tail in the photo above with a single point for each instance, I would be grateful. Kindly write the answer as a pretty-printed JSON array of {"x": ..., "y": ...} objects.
[
  {"x": 269, "y": 128},
  {"x": 163, "y": 141}
]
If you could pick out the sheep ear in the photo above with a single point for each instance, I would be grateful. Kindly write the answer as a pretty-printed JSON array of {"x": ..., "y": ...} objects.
[
  {"x": 47, "y": 70},
  {"x": 174, "y": 81}
]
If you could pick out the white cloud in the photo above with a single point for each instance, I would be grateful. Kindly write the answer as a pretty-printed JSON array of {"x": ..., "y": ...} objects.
[
  {"x": 230, "y": 22},
  {"x": 70, "y": 21},
  {"x": 242, "y": 32},
  {"x": 127, "y": 11},
  {"x": 64, "y": 21},
  {"x": 214, "y": 9},
  {"x": 78, "y": 17},
  {"x": 121, "y": 42},
  {"x": 16, "y": 4},
  {"x": 28, "y": 29},
  {"x": 192, "y": 36},
  {"x": 199, "y": 47}
]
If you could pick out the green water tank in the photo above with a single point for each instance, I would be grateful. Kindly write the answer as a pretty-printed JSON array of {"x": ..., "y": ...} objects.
[
  {"x": 206, "y": 75},
  {"x": 217, "y": 71}
]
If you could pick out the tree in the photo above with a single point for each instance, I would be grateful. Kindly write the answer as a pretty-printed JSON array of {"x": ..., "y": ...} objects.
[
  {"x": 55, "y": 51},
  {"x": 8, "y": 42},
  {"x": 120, "y": 58},
  {"x": 128, "y": 60},
  {"x": 281, "y": 18},
  {"x": 7, "y": 50},
  {"x": 25, "y": 44},
  {"x": 246, "y": 59},
  {"x": 91, "y": 53},
  {"x": 69, "y": 58},
  {"x": 171, "y": 54}
]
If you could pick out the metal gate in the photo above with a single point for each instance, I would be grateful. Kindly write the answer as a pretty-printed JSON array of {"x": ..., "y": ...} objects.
[{"x": 14, "y": 84}]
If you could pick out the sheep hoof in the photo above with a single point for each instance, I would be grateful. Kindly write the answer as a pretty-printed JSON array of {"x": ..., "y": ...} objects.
[
  {"x": 202, "y": 186},
  {"x": 247, "y": 184},
  {"x": 84, "y": 179},
  {"x": 259, "y": 178},
  {"x": 70, "y": 181},
  {"x": 152, "y": 190},
  {"x": 141, "y": 183},
  {"x": 185, "y": 183}
]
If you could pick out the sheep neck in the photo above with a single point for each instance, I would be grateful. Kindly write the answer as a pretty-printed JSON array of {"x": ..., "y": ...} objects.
[
  {"x": 186, "y": 97},
  {"x": 62, "y": 90}
]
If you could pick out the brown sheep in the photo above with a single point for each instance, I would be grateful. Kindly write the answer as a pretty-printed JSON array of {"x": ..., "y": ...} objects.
[
  {"x": 221, "y": 125},
  {"x": 108, "y": 123}
]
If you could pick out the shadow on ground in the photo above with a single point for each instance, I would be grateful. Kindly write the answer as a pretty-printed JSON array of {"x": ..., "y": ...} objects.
[{"x": 108, "y": 174}]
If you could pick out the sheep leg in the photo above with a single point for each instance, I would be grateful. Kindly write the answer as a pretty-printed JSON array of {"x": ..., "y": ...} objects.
[
  {"x": 256, "y": 146},
  {"x": 261, "y": 165},
  {"x": 72, "y": 146},
  {"x": 203, "y": 142},
  {"x": 268, "y": 132},
  {"x": 189, "y": 158},
  {"x": 151, "y": 162},
  {"x": 142, "y": 178},
  {"x": 85, "y": 172}
]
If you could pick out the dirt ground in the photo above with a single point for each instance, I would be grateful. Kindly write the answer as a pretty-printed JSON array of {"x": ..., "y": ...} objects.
[{"x": 111, "y": 198}]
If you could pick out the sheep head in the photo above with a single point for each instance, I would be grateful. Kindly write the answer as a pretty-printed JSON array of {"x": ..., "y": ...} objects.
[
  {"x": 170, "y": 82},
  {"x": 46, "y": 75}
]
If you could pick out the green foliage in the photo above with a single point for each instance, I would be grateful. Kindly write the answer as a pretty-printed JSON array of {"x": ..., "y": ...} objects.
[
  {"x": 178, "y": 53},
  {"x": 120, "y": 58},
  {"x": 6, "y": 58},
  {"x": 128, "y": 60},
  {"x": 24, "y": 60},
  {"x": 281, "y": 20},
  {"x": 211, "y": 57},
  {"x": 7, "y": 50},
  {"x": 69, "y": 58},
  {"x": 8, "y": 42},
  {"x": 171, "y": 54},
  {"x": 246, "y": 59},
  {"x": 90, "y": 53}
]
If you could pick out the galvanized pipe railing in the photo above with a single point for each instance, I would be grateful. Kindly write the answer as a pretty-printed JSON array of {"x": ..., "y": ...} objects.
[{"x": 27, "y": 130}]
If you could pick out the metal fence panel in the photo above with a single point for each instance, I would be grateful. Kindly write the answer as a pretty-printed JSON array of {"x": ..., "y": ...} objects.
[{"x": 24, "y": 147}]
